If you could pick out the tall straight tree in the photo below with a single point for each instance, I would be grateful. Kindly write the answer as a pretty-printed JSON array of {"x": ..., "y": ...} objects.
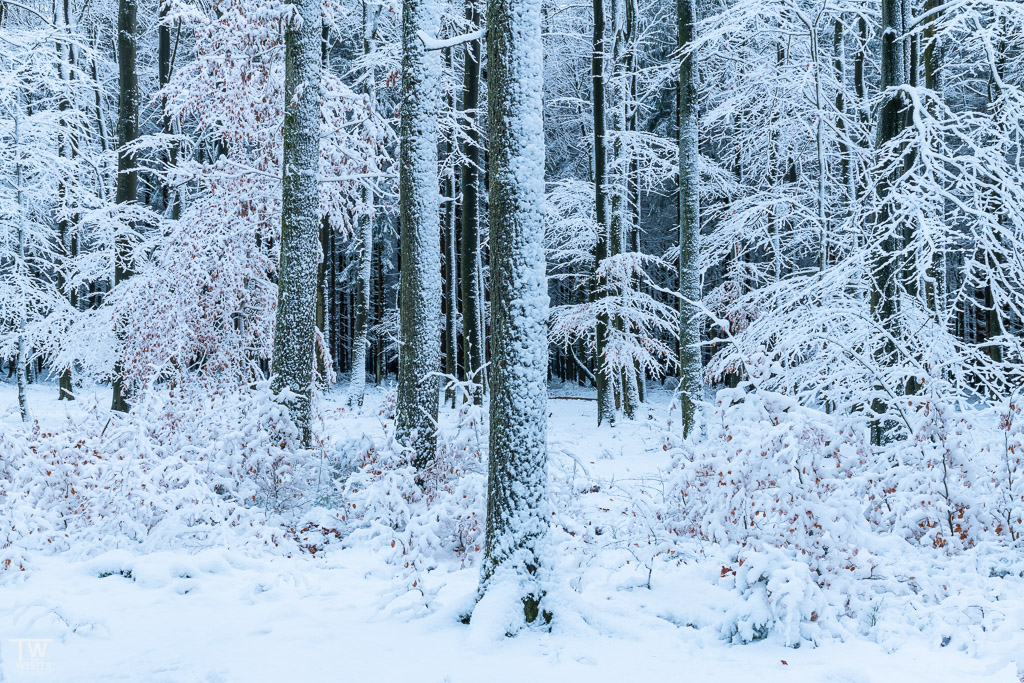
[
  {"x": 604, "y": 379},
  {"x": 419, "y": 354},
  {"x": 293, "y": 356},
  {"x": 472, "y": 337},
  {"x": 885, "y": 236},
  {"x": 66, "y": 230},
  {"x": 127, "y": 175},
  {"x": 357, "y": 388},
  {"x": 690, "y": 369},
  {"x": 517, "y": 469}
]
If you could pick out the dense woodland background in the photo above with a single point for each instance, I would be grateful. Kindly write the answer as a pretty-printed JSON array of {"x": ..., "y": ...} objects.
[{"x": 813, "y": 207}]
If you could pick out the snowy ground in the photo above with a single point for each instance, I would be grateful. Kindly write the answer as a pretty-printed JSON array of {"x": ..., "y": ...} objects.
[{"x": 213, "y": 615}]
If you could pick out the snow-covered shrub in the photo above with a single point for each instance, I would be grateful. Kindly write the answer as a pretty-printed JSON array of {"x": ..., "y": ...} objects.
[
  {"x": 933, "y": 490},
  {"x": 778, "y": 594},
  {"x": 810, "y": 522},
  {"x": 422, "y": 517},
  {"x": 1006, "y": 471},
  {"x": 184, "y": 469},
  {"x": 774, "y": 474}
]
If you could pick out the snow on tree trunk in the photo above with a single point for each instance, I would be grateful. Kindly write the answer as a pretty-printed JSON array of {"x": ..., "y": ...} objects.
[
  {"x": 932, "y": 57},
  {"x": 357, "y": 387},
  {"x": 690, "y": 368},
  {"x": 885, "y": 236},
  {"x": 451, "y": 282},
  {"x": 620, "y": 232},
  {"x": 470, "y": 181},
  {"x": 517, "y": 473},
  {"x": 67, "y": 231},
  {"x": 293, "y": 356},
  {"x": 127, "y": 176},
  {"x": 419, "y": 355},
  {"x": 22, "y": 277}
]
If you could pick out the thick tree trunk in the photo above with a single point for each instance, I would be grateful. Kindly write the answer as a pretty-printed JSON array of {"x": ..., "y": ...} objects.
[
  {"x": 294, "y": 329},
  {"x": 517, "y": 478},
  {"x": 690, "y": 367},
  {"x": 127, "y": 176},
  {"x": 420, "y": 299},
  {"x": 472, "y": 337}
]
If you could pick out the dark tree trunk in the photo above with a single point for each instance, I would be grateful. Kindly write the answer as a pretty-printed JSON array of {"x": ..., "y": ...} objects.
[
  {"x": 472, "y": 339},
  {"x": 127, "y": 176}
]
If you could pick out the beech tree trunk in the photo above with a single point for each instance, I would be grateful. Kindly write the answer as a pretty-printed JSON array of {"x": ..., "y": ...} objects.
[
  {"x": 886, "y": 237},
  {"x": 517, "y": 472},
  {"x": 127, "y": 176},
  {"x": 450, "y": 253},
  {"x": 690, "y": 366},
  {"x": 605, "y": 379},
  {"x": 472, "y": 337},
  {"x": 294, "y": 330},
  {"x": 66, "y": 230}
]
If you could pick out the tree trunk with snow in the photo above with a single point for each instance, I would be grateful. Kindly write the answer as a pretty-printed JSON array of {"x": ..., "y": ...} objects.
[
  {"x": 621, "y": 213},
  {"x": 932, "y": 57},
  {"x": 420, "y": 297},
  {"x": 886, "y": 237},
  {"x": 22, "y": 274},
  {"x": 127, "y": 176},
  {"x": 165, "y": 58},
  {"x": 294, "y": 329},
  {"x": 451, "y": 281},
  {"x": 66, "y": 228},
  {"x": 472, "y": 337},
  {"x": 690, "y": 367},
  {"x": 517, "y": 473},
  {"x": 357, "y": 387}
]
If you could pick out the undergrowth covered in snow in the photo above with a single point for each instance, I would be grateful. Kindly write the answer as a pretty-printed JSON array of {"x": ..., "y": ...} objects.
[{"x": 782, "y": 518}]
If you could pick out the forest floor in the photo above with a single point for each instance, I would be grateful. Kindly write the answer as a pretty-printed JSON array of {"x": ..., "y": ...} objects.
[{"x": 215, "y": 615}]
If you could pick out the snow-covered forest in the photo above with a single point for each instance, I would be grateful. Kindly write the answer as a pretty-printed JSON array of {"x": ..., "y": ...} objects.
[{"x": 465, "y": 340}]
